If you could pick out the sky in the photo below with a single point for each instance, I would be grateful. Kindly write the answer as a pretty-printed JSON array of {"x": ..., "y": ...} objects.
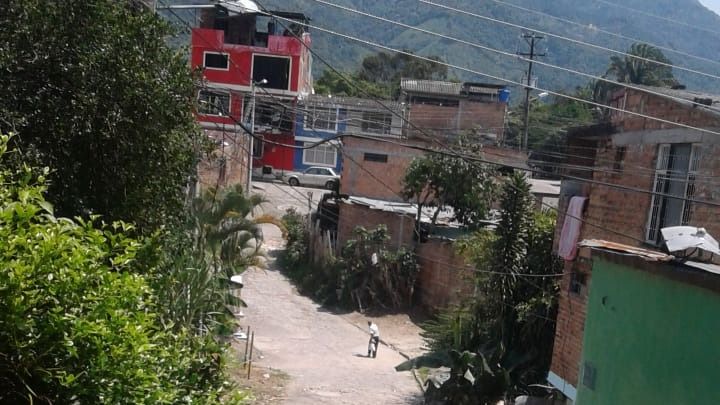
[{"x": 713, "y": 5}]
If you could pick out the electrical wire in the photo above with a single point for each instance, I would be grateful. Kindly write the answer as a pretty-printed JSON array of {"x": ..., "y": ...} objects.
[
  {"x": 502, "y": 79},
  {"x": 512, "y": 55},
  {"x": 575, "y": 41},
  {"x": 670, "y": 20},
  {"x": 594, "y": 28}
]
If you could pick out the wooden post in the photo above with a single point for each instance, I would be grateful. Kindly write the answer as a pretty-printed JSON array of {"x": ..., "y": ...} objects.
[
  {"x": 251, "y": 338},
  {"x": 247, "y": 340}
]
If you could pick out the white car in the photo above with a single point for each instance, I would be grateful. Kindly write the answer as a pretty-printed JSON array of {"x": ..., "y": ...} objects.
[{"x": 313, "y": 176}]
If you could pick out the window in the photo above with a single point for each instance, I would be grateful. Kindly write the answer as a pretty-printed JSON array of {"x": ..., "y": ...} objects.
[
  {"x": 321, "y": 118},
  {"x": 218, "y": 61},
  {"x": 213, "y": 102},
  {"x": 324, "y": 155},
  {"x": 272, "y": 114},
  {"x": 577, "y": 283},
  {"x": 376, "y": 123},
  {"x": 375, "y": 157},
  {"x": 675, "y": 173},
  {"x": 274, "y": 69},
  {"x": 258, "y": 147}
]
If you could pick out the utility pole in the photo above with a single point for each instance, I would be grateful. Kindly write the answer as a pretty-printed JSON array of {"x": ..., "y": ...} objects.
[
  {"x": 251, "y": 155},
  {"x": 532, "y": 40}
]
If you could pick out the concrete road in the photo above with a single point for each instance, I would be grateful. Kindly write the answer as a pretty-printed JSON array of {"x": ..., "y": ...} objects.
[
  {"x": 281, "y": 197},
  {"x": 323, "y": 353}
]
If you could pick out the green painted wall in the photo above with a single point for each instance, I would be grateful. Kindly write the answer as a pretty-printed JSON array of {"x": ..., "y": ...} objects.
[{"x": 651, "y": 340}]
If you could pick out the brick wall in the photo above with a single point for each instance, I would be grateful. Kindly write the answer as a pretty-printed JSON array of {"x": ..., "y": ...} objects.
[
  {"x": 227, "y": 164},
  {"x": 444, "y": 278},
  {"x": 444, "y": 120},
  {"x": 707, "y": 189},
  {"x": 617, "y": 210},
  {"x": 570, "y": 323},
  {"x": 627, "y": 212},
  {"x": 400, "y": 228},
  {"x": 380, "y": 180},
  {"x": 660, "y": 107}
]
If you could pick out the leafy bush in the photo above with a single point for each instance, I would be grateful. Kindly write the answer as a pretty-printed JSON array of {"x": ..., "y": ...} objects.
[
  {"x": 296, "y": 248},
  {"x": 509, "y": 321},
  {"x": 78, "y": 322},
  {"x": 373, "y": 275}
]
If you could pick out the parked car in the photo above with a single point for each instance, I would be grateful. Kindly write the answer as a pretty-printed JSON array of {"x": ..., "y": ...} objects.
[{"x": 313, "y": 176}]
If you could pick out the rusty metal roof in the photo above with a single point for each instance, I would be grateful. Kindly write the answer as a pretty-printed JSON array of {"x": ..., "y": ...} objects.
[
  {"x": 645, "y": 254},
  {"x": 351, "y": 102},
  {"x": 439, "y": 87}
]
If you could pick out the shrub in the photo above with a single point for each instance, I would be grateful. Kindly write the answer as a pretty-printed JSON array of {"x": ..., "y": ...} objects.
[
  {"x": 297, "y": 238},
  {"x": 78, "y": 323}
]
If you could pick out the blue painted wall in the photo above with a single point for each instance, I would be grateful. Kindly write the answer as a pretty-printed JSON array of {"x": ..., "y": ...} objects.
[{"x": 300, "y": 130}]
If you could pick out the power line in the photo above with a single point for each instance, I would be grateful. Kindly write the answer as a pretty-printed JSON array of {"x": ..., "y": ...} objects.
[
  {"x": 522, "y": 56},
  {"x": 625, "y": 188},
  {"x": 456, "y": 154},
  {"x": 555, "y": 93},
  {"x": 531, "y": 56},
  {"x": 606, "y": 32},
  {"x": 575, "y": 41},
  {"x": 670, "y": 20}
]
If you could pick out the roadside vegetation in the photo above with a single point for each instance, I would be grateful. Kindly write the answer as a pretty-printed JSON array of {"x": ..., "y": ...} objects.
[
  {"x": 369, "y": 273},
  {"x": 115, "y": 283},
  {"x": 498, "y": 343}
]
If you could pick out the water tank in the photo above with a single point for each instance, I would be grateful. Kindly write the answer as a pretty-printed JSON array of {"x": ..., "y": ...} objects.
[{"x": 504, "y": 95}]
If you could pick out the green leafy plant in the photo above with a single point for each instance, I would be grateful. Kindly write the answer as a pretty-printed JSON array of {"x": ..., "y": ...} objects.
[
  {"x": 371, "y": 274},
  {"x": 509, "y": 323},
  {"x": 78, "y": 322},
  {"x": 441, "y": 181},
  {"x": 296, "y": 248},
  {"x": 93, "y": 91}
]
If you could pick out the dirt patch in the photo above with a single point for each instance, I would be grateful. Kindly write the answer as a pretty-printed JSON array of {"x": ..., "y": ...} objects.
[{"x": 268, "y": 386}]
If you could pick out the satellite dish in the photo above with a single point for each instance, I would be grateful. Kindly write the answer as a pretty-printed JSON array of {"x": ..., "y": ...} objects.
[{"x": 681, "y": 238}]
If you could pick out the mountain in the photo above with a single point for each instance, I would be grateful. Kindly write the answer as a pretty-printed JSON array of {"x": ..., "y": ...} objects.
[{"x": 684, "y": 25}]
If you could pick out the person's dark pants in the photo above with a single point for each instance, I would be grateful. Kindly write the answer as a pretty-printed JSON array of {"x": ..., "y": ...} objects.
[{"x": 374, "y": 341}]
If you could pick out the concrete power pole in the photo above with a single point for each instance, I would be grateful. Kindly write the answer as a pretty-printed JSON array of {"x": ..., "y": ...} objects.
[{"x": 532, "y": 40}]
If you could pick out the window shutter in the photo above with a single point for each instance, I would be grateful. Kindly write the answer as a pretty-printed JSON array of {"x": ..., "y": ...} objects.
[
  {"x": 690, "y": 182},
  {"x": 661, "y": 177}
]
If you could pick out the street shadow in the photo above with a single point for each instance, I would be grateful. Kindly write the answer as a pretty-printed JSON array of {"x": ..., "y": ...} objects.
[
  {"x": 417, "y": 314},
  {"x": 417, "y": 399}
]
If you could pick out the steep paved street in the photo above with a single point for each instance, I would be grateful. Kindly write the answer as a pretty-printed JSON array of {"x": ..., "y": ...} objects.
[{"x": 323, "y": 353}]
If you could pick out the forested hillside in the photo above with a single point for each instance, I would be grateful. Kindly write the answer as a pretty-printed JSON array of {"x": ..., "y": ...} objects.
[{"x": 695, "y": 31}]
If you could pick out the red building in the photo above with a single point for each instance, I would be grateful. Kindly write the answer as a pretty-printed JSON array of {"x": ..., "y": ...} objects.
[{"x": 236, "y": 45}]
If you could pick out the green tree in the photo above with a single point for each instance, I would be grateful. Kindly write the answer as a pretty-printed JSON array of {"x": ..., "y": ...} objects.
[
  {"x": 331, "y": 83},
  {"x": 632, "y": 70},
  {"x": 440, "y": 181},
  {"x": 78, "y": 321},
  {"x": 379, "y": 76},
  {"x": 500, "y": 343},
  {"x": 224, "y": 230},
  {"x": 92, "y": 91}
]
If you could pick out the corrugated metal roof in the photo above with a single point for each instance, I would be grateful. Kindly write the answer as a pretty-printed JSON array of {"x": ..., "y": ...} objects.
[
  {"x": 447, "y": 88},
  {"x": 547, "y": 187},
  {"x": 431, "y": 87},
  {"x": 350, "y": 102},
  {"x": 648, "y": 255},
  {"x": 445, "y": 216}
]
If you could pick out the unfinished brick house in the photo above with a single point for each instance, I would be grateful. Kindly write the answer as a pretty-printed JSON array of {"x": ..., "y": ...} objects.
[
  {"x": 636, "y": 153},
  {"x": 447, "y": 109}
]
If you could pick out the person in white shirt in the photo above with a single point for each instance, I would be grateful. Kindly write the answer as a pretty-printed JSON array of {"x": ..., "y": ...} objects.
[{"x": 374, "y": 339}]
